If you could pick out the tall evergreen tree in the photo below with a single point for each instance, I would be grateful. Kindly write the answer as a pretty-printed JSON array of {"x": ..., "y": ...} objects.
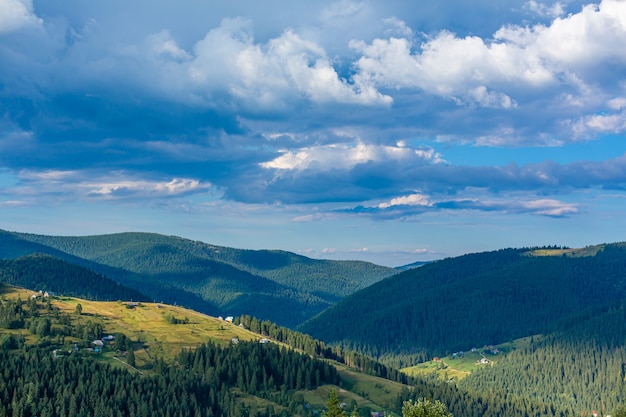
[{"x": 333, "y": 406}]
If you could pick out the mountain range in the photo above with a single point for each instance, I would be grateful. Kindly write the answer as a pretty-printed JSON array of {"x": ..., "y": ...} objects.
[{"x": 280, "y": 286}]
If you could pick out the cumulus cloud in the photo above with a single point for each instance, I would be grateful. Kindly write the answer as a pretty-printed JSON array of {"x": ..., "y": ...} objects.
[
  {"x": 412, "y": 206},
  {"x": 517, "y": 61},
  {"x": 142, "y": 188},
  {"x": 73, "y": 184},
  {"x": 564, "y": 66},
  {"x": 199, "y": 109},
  {"x": 550, "y": 207},
  {"x": 346, "y": 157},
  {"x": 462, "y": 70},
  {"x": 417, "y": 199},
  {"x": 275, "y": 73},
  {"x": 17, "y": 14},
  {"x": 310, "y": 176},
  {"x": 163, "y": 45}
]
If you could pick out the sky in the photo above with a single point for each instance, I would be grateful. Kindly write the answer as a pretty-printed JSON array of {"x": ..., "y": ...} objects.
[{"x": 388, "y": 131}]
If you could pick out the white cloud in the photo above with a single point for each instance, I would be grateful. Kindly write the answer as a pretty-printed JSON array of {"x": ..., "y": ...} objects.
[
  {"x": 16, "y": 14},
  {"x": 163, "y": 45},
  {"x": 345, "y": 157},
  {"x": 397, "y": 27},
  {"x": 550, "y": 207},
  {"x": 605, "y": 123},
  {"x": 48, "y": 176},
  {"x": 589, "y": 38},
  {"x": 13, "y": 203},
  {"x": 74, "y": 184},
  {"x": 612, "y": 120},
  {"x": 417, "y": 199},
  {"x": 617, "y": 103},
  {"x": 541, "y": 9},
  {"x": 284, "y": 69},
  {"x": 488, "y": 72},
  {"x": 139, "y": 188},
  {"x": 464, "y": 70},
  {"x": 470, "y": 199}
]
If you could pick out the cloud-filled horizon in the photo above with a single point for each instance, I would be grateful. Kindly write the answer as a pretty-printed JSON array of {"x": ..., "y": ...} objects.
[{"x": 382, "y": 131}]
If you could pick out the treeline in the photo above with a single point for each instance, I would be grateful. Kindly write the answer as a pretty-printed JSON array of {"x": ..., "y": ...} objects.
[
  {"x": 264, "y": 370},
  {"x": 491, "y": 403},
  {"x": 208, "y": 381},
  {"x": 45, "y": 321},
  {"x": 317, "y": 348},
  {"x": 470, "y": 301},
  {"x": 47, "y": 273},
  {"x": 34, "y": 383},
  {"x": 582, "y": 367}
]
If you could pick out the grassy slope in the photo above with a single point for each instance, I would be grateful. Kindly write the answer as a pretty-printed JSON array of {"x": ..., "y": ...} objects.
[
  {"x": 146, "y": 323},
  {"x": 458, "y": 367}
]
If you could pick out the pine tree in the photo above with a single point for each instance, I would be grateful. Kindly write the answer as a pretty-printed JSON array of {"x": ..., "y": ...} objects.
[
  {"x": 333, "y": 407},
  {"x": 130, "y": 358}
]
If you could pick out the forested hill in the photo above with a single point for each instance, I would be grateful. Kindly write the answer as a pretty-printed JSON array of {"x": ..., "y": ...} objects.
[
  {"x": 50, "y": 274},
  {"x": 279, "y": 286},
  {"x": 473, "y": 300},
  {"x": 580, "y": 368}
]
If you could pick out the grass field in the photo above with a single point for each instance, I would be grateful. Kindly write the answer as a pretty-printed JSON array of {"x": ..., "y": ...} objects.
[
  {"x": 143, "y": 323},
  {"x": 574, "y": 253},
  {"x": 461, "y": 365},
  {"x": 153, "y": 335},
  {"x": 146, "y": 323}
]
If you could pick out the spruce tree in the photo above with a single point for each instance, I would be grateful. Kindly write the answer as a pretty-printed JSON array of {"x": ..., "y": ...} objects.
[{"x": 333, "y": 406}]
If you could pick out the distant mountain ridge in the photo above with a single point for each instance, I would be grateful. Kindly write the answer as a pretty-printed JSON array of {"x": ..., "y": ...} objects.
[
  {"x": 472, "y": 300},
  {"x": 276, "y": 285},
  {"x": 412, "y": 265}
]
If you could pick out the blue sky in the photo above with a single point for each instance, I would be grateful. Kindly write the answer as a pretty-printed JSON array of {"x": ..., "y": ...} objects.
[{"x": 387, "y": 131}]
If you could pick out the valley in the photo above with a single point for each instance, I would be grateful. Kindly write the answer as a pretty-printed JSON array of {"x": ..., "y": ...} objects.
[{"x": 509, "y": 332}]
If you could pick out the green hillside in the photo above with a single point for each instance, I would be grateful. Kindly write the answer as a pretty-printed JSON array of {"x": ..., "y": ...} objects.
[
  {"x": 581, "y": 367},
  {"x": 274, "y": 285},
  {"x": 50, "y": 274},
  {"x": 470, "y": 301},
  {"x": 170, "y": 361}
]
